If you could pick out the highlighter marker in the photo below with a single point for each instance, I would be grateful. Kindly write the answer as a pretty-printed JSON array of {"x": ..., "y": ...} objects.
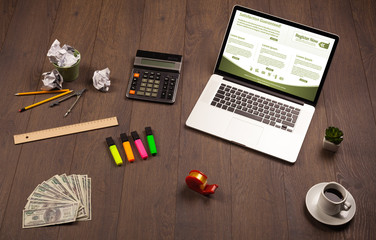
[
  {"x": 151, "y": 142},
  {"x": 114, "y": 151},
  {"x": 127, "y": 147},
  {"x": 139, "y": 145}
]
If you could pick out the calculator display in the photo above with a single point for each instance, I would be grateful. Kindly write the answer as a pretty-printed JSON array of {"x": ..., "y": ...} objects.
[{"x": 157, "y": 63}]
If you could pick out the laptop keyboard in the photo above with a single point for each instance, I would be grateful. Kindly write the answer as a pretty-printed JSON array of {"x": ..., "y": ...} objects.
[{"x": 256, "y": 107}]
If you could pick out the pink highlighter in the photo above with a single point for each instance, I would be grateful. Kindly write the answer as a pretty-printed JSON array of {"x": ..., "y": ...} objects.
[{"x": 139, "y": 145}]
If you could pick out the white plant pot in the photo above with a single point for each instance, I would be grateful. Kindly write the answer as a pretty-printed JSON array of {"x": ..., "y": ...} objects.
[{"x": 329, "y": 145}]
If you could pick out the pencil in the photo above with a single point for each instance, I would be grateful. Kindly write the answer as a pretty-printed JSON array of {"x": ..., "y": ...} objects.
[
  {"x": 41, "y": 92},
  {"x": 44, "y": 101}
]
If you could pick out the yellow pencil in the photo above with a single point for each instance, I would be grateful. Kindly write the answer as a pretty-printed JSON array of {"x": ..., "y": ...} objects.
[
  {"x": 44, "y": 101},
  {"x": 41, "y": 92}
]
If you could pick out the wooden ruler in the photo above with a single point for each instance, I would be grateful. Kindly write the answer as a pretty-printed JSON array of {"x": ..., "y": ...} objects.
[{"x": 65, "y": 130}]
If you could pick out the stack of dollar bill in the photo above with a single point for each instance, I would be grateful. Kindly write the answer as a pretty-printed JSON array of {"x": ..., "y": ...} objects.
[{"x": 60, "y": 199}]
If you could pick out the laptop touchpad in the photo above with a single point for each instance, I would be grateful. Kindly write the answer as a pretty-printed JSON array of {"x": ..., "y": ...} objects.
[{"x": 243, "y": 132}]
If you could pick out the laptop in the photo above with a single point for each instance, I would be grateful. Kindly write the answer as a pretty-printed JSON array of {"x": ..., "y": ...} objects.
[{"x": 266, "y": 83}]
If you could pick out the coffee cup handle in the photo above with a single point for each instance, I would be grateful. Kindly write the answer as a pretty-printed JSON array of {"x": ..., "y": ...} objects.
[{"x": 346, "y": 206}]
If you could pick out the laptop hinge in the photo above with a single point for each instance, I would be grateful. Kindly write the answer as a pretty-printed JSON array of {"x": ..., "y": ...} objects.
[{"x": 264, "y": 90}]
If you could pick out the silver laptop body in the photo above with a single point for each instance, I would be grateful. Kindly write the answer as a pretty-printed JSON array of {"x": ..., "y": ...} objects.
[{"x": 266, "y": 83}]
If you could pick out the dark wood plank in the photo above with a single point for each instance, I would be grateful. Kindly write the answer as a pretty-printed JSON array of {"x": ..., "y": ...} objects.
[
  {"x": 113, "y": 47},
  {"x": 149, "y": 189},
  {"x": 6, "y": 9},
  {"x": 346, "y": 99},
  {"x": 258, "y": 183},
  {"x": 21, "y": 61},
  {"x": 199, "y": 217},
  {"x": 76, "y": 25},
  {"x": 313, "y": 165},
  {"x": 364, "y": 13}
]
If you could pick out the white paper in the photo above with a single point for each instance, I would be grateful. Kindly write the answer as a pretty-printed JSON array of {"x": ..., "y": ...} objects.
[
  {"x": 62, "y": 56},
  {"x": 101, "y": 80},
  {"x": 52, "y": 80}
]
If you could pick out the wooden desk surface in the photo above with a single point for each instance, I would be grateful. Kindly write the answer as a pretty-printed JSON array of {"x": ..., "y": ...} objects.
[{"x": 258, "y": 197}]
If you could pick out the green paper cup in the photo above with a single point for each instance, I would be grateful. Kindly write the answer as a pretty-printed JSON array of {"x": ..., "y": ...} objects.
[{"x": 70, "y": 73}]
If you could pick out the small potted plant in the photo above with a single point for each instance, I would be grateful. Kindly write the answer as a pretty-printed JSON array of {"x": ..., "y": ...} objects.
[{"x": 333, "y": 138}]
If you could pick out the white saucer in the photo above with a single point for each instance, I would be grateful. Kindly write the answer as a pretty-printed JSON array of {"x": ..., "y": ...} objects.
[{"x": 343, "y": 217}]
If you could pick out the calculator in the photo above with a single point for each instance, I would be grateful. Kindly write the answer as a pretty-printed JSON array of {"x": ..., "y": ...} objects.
[{"x": 155, "y": 77}]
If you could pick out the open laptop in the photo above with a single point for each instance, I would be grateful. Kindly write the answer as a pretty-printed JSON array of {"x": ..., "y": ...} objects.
[{"x": 266, "y": 83}]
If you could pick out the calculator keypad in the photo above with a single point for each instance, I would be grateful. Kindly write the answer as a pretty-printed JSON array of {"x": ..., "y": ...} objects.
[{"x": 156, "y": 86}]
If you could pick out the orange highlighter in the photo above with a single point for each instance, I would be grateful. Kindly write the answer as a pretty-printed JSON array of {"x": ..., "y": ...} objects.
[{"x": 127, "y": 147}]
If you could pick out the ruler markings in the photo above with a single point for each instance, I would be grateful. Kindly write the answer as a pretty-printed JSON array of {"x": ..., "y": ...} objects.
[{"x": 65, "y": 130}]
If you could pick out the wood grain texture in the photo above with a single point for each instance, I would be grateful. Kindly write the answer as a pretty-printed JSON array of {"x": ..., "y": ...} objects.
[
  {"x": 148, "y": 209},
  {"x": 258, "y": 184},
  {"x": 197, "y": 216},
  {"x": 259, "y": 197},
  {"x": 347, "y": 98},
  {"x": 94, "y": 157},
  {"x": 41, "y": 160},
  {"x": 364, "y": 14},
  {"x": 315, "y": 164},
  {"x": 6, "y": 13},
  {"x": 27, "y": 29}
]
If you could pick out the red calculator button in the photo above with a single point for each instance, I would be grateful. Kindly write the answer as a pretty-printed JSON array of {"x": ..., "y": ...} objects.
[
  {"x": 136, "y": 75},
  {"x": 132, "y": 92}
]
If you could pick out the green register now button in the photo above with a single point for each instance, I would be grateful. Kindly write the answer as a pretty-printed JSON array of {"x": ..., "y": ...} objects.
[{"x": 274, "y": 39}]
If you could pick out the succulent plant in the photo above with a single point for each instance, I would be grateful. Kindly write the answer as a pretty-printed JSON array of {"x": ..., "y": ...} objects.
[{"x": 334, "y": 135}]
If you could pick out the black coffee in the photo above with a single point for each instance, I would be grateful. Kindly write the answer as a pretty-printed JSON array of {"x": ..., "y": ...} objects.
[{"x": 333, "y": 194}]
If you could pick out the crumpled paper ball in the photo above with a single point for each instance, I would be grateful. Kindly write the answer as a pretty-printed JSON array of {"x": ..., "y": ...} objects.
[
  {"x": 101, "y": 80},
  {"x": 62, "y": 56},
  {"x": 52, "y": 80}
]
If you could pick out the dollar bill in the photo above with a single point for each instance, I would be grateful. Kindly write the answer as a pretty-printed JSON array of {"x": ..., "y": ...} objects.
[
  {"x": 72, "y": 183},
  {"x": 53, "y": 190},
  {"x": 57, "y": 183},
  {"x": 86, "y": 183},
  {"x": 89, "y": 197},
  {"x": 80, "y": 192},
  {"x": 32, "y": 205},
  {"x": 49, "y": 216},
  {"x": 42, "y": 192},
  {"x": 62, "y": 198},
  {"x": 64, "y": 181}
]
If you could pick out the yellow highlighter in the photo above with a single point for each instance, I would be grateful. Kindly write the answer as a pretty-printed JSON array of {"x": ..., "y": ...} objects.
[
  {"x": 127, "y": 147},
  {"x": 114, "y": 151}
]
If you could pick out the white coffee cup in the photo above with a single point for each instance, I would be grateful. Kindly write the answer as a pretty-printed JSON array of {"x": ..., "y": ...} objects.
[{"x": 333, "y": 199}]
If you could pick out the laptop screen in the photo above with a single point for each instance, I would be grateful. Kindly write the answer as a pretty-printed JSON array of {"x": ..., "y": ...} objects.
[{"x": 275, "y": 53}]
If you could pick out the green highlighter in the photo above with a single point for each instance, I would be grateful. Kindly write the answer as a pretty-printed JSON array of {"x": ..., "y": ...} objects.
[{"x": 151, "y": 142}]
